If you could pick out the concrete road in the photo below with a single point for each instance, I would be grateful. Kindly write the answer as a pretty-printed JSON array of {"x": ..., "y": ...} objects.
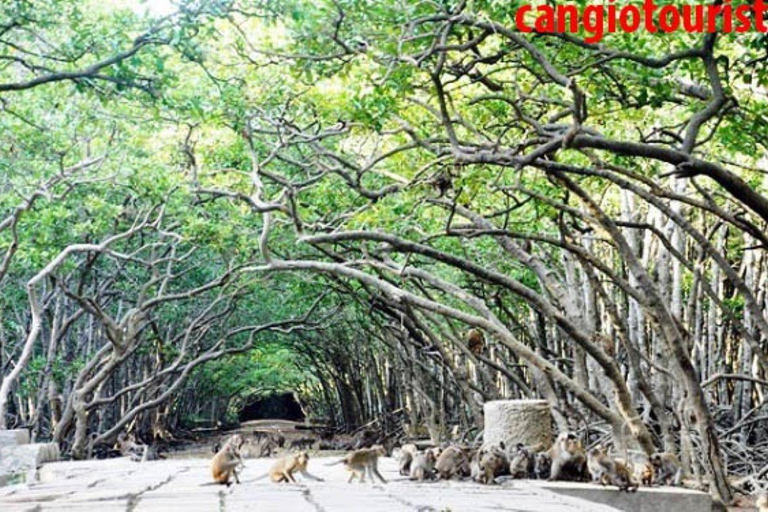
[{"x": 177, "y": 485}]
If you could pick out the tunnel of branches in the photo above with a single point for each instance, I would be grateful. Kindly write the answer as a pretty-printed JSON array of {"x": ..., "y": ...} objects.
[
  {"x": 370, "y": 217},
  {"x": 283, "y": 406}
]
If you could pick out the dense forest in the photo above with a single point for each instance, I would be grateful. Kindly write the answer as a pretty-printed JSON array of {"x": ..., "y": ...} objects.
[{"x": 397, "y": 210}]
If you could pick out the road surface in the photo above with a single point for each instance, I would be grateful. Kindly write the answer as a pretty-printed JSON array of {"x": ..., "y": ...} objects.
[{"x": 176, "y": 485}]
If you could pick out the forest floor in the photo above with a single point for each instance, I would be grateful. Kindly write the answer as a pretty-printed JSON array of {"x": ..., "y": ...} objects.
[{"x": 178, "y": 484}]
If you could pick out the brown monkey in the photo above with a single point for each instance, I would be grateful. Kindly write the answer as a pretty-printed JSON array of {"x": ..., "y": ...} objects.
[
  {"x": 362, "y": 460},
  {"x": 644, "y": 473},
  {"x": 284, "y": 468},
  {"x": 225, "y": 462},
  {"x": 608, "y": 471},
  {"x": 522, "y": 463},
  {"x": 490, "y": 463},
  {"x": 423, "y": 466},
  {"x": 569, "y": 461},
  {"x": 762, "y": 502},
  {"x": 622, "y": 477},
  {"x": 475, "y": 341},
  {"x": 453, "y": 461},
  {"x": 667, "y": 468}
]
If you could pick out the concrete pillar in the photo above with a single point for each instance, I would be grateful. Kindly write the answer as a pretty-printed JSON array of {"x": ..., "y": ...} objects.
[{"x": 518, "y": 421}]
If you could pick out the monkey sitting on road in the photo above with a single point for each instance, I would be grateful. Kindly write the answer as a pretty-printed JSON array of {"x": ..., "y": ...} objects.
[
  {"x": 453, "y": 461},
  {"x": 667, "y": 468},
  {"x": 423, "y": 466},
  {"x": 362, "y": 460},
  {"x": 138, "y": 452},
  {"x": 489, "y": 463},
  {"x": 608, "y": 471},
  {"x": 522, "y": 463},
  {"x": 569, "y": 461},
  {"x": 226, "y": 461},
  {"x": 542, "y": 465},
  {"x": 407, "y": 452},
  {"x": 284, "y": 468},
  {"x": 303, "y": 443}
]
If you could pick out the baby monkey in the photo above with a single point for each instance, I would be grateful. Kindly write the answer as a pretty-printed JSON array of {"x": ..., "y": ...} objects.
[
  {"x": 226, "y": 461},
  {"x": 284, "y": 468},
  {"x": 362, "y": 460}
]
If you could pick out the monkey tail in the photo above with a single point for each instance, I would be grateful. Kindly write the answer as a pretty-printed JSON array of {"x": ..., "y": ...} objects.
[
  {"x": 342, "y": 461},
  {"x": 262, "y": 477},
  {"x": 211, "y": 483}
]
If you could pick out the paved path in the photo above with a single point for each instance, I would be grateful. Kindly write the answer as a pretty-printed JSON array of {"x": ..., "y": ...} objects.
[{"x": 176, "y": 485}]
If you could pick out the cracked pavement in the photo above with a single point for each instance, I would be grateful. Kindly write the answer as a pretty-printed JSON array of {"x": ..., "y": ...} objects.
[{"x": 178, "y": 485}]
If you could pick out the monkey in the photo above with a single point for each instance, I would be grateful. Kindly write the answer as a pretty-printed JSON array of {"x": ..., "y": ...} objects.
[
  {"x": 522, "y": 464},
  {"x": 453, "y": 461},
  {"x": 762, "y": 502},
  {"x": 667, "y": 468},
  {"x": 644, "y": 473},
  {"x": 362, "y": 460},
  {"x": 608, "y": 471},
  {"x": 303, "y": 443},
  {"x": 283, "y": 468},
  {"x": 407, "y": 453},
  {"x": 490, "y": 463},
  {"x": 475, "y": 341},
  {"x": 138, "y": 452},
  {"x": 542, "y": 465},
  {"x": 436, "y": 451},
  {"x": 622, "y": 477},
  {"x": 596, "y": 463},
  {"x": 250, "y": 449},
  {"x": 127, "y": 446},
  {"x": 423, "y": 466},
  {"x": 569, "y": 461},
  {"x": 278, "y": 439},
  {"x": 442, "y": 181},
  {"x": 225, "y": 462}
]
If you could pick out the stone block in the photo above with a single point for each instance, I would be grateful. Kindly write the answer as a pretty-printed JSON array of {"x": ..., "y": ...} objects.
[
  {"x": 518, "y": 421},
  {"x": 14, "y": 459},
  {"x": 646, "y": 499},
  {"x": 14, "y": 437}
]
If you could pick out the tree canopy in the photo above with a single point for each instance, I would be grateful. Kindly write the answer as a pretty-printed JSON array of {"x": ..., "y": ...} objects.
[{"x": 249, "y": 196}]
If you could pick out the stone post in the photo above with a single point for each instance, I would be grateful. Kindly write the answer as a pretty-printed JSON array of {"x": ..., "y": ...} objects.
[{"x": 518, "y": 421}]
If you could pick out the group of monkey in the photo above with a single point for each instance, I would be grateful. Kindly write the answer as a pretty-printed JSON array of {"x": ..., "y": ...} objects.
[
  {"x": 567, "y": 459},
  {"x": 228, "y": 461}
]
